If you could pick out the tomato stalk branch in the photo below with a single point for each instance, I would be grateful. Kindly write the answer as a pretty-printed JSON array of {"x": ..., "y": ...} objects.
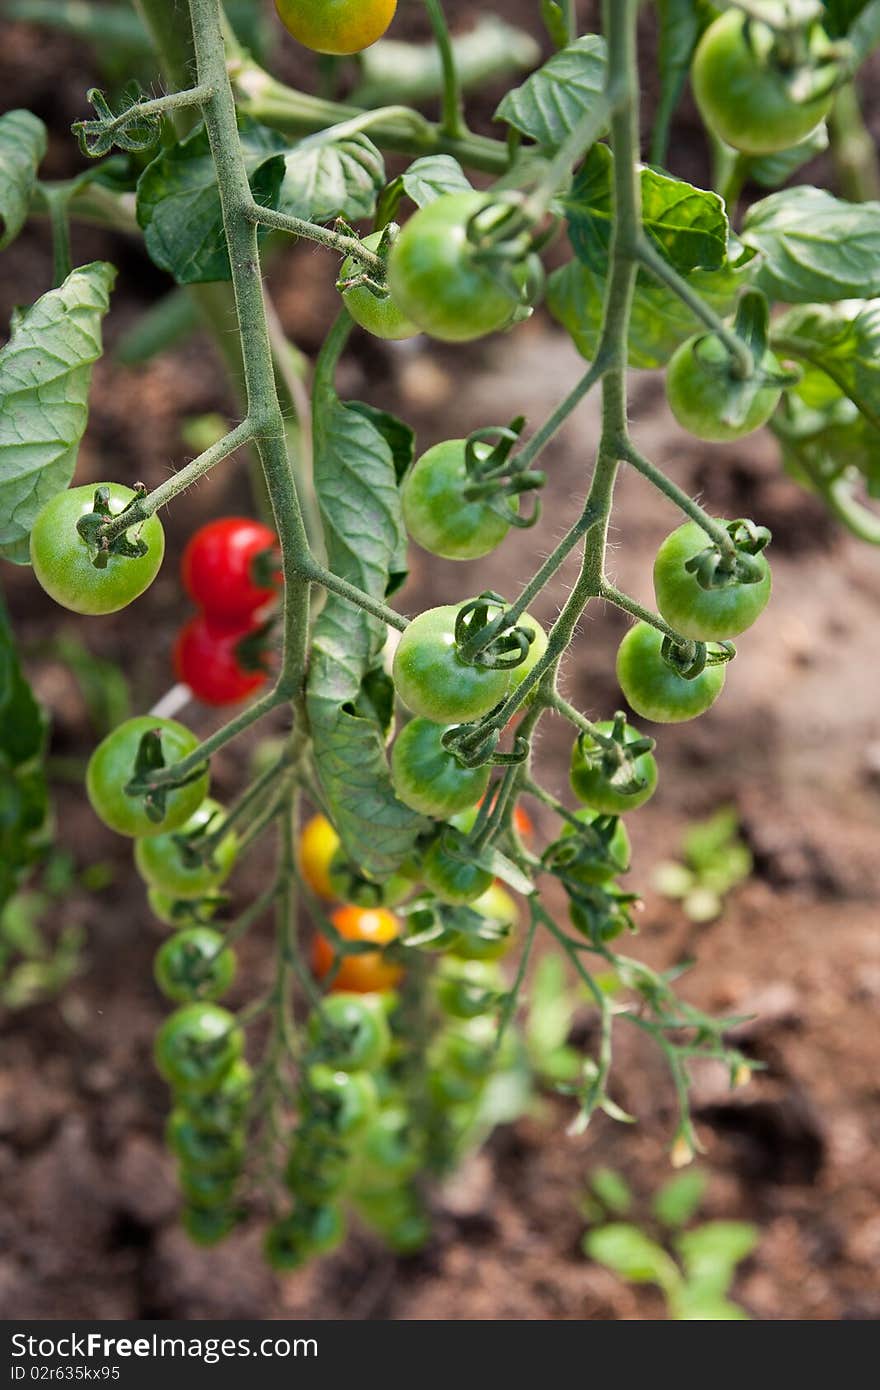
[{"x": 453, "y": 124}]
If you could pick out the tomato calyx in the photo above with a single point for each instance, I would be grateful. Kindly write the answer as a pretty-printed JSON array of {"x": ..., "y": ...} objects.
[
  {"x": 602, "y": 913},
  {"x": 787, "y": 42},
  {"x": 92, "y": 528},
  {"x": 689, "y": 659},
  {"x": 495, "y": 477},
  {"x": 615, "y": 756},
  {"x": 481, "y": 640},
  {"x": 587, "y": 849},
  {"x": 364, "y": 279},
  {"x": 150, "y": 759},
  {"x": 713, "y": 569}
]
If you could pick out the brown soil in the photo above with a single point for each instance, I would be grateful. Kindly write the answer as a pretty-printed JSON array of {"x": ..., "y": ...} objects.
[{"x": 87, "y": 1205}]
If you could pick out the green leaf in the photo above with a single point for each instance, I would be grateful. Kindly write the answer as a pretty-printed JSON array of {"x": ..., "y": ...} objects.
[
  {"x": 550, "y": 102},
  {"x": 555, "y": 22},
  {"x": 23, "y": 143},
  {"x": 630, "y": 1253},
  {"x": 678, "y": 1199},
  {"x": 660, "y": 322},
  {"x": 711, "y": 1253},
  {"x": 324, "y": 179},
  {"x": 840, "y": 14},
  {"x": 424, "y": 181},
  {"x": 815, "y": 246},
  {"x": 687, "y": 225},
  {"x": 178, "y": 202},
  {"x": 359, "y": 499},
  {"x": 842, "y": 342},
  {"x": 773, "y": 169},
  {"x": 45, "y": 373},
  {"x": 612, "y": 1190},
  {"x": 399, "y": 437}
]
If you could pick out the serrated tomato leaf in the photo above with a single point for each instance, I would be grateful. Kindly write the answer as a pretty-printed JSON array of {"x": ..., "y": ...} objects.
[
  {"x": 358, "y": 495},
  {"x": 324, "y": 179},
  {"x": 687, "y": 225},
  {"x": 23, "y": 143},
  {"x": 178, "y": 202},
  {"x": 815, "y": 247},
  {"x": 45, "y": 372},
  {"x": 548, "y": 105}
]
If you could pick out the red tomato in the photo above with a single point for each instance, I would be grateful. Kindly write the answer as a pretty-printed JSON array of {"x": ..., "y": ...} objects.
[
  {"x": 206, "y": 659},
  {"x": 369, "y": 973},
  {"x": 217, "y": 567}
]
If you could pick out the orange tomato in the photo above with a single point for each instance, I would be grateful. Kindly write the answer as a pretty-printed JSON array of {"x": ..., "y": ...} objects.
[
  {"x": 317, "y": 845},
  {"x": 369, "y": 973},
  {"x": 336, "y": 26}
]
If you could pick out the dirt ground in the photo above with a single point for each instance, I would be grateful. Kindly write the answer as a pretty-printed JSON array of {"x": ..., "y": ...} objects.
[{"x": 87, "y": 1203}]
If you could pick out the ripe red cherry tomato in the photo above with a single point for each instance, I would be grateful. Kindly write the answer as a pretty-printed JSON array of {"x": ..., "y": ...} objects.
[
  {"x": 206, "y": 659},
  {"x": 217, "y": 567}
]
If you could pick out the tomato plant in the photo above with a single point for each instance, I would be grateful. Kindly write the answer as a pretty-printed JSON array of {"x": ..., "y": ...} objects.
[{"x": 394, "y": 776}]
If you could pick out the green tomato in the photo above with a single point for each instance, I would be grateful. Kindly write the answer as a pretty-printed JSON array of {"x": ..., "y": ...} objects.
[
  {"x": 388, "y": 1152},
  {"x": 208, "y": 1225},
  {"x": 316, "y": 1172},
  {"x": 161, "y": 865},
  {"x": 350, "y": 1032},
  {"x": 499, "y": 908},
  {"x": 378, "y": 314},
  {"x": 338, "y": 1102},
  {"x": 428, "y": 778},
  {"x": 592, "y": 785},
  {"x": 206, "y": 1190},
  {"x": 707, "y": 615},
  {"x": 64, "y": 562},
  {"x": 698, "y": 390},
  {"x": 537, "y": 648},
  {"x": 225, "y": 1106},
  {"x": 437, "y": 280},
  {"x": 654, "y": 689},
  {"x": 194, "y": 964},
  {"x": 181, "y": 912},
  {"x": 204, "y": 1150},
  {"x": 433, "y": 681},
  {"x": 409, "y": 1235},
  {"x": 598, "y": 918},
  {"x": 469, "y": 989},
  {"x": 308, "y": 1231},
  {"x": 453, "y": 879},
  {"x": 196, "y": 1046},
  {"x": 605, "y": 866},
  {"x": 111, "y": 767},
  {"x": 743, "y": 92},
  {"x": 349, "y": 886},
  {"x": 437, "y": 514}
]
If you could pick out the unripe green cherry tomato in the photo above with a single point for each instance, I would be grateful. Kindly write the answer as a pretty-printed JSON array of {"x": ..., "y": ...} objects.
[
  {"x": 437, "y": 281},
  {"x": 350, "y": 1031},
  {"x": 352, "y": 887},
  {"x": 336, "y": 27},
  {"x": 591, "y": 785},
  {"x": 64, "y": 562},
  {"x": 208, "y": 1225},
  {"x": 339, "y": 1102},
  {"x": 537, "y": 648},
  {"x": 316, "y": 1172},
  {"x": 498, "y": 906},
  {"x": 204, "y": 1189},
  {"x": 225, "y": 1105},
  {"x": 606, "y": 926},
  {"x": 194, "y": 964},
  {"x": 453, "y": 879},
  {"x": 385, "y": 1205},
  {"x": 428, "y": 778},
  {"x": 111, "y": 767},
  {"x": 616, "y": 859},
  {"x": 409, "y": 1235},
  {"x": 448, "y": 1087},
  {"x": 203, "y": 1150},
  {"x": 388, "y": 1151},
  {"x": 433, "y": 681},
  {"x": 697, "y": 388},
  {"x": 469, "y": 989},
  {"x": 196, "y": 1046},
  {"x": 743, "y": 93},
  {"x": 181, "y": 912},
  {"x": 708, "y": 615},
  {"x": 378, "y": 314},
  {"x": 160, "y": 862},
  {"x": 437, "y": 514},
  {"x": 654, "y": 689}
]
